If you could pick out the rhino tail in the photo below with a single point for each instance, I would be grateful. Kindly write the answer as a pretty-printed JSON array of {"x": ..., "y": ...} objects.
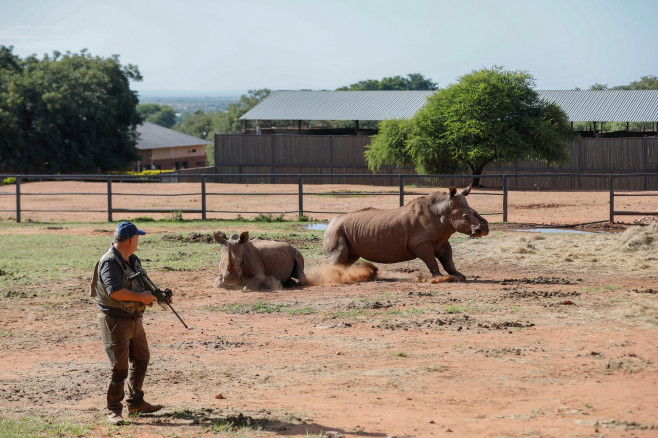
[{"x": 298, "y": 269}]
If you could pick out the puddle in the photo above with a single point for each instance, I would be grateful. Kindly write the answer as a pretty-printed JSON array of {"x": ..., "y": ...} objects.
[
  {"x": 556, "y": 231},
  {"x": 315, "y": 227}
]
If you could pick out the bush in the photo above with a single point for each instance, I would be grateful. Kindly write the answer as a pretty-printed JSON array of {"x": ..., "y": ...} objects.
[{"x": 9, "y": 180}]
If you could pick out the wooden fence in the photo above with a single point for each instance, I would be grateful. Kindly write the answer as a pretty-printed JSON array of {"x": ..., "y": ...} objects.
[
  {"x": 401, "y": 179},
  {"x": 332, "y": 156}
]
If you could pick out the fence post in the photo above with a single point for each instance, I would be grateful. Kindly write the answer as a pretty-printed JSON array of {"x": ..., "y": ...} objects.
[
  {"x": 301, "y": 196},
  {"x": 109, "y": 199},
  {"x": 18, "y": 199},
  {"x": 611, "y": 181},
  {"x": 401, "y": 190},
  {"x": 504, "y": 198},
  {"x": 203, "y": 197},
  {"x": 645, "y": 155}
]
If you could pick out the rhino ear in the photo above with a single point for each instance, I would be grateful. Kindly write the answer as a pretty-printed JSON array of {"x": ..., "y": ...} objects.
[
  {"x": 244, "y": 237},
  {"x": 453, "y": 190},
  {"x": 467, "y": 190},
  {"x": 219, "y": 237}
]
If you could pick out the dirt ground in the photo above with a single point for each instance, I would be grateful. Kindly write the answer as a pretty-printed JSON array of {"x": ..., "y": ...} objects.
[{"x": 528, "y": 346}]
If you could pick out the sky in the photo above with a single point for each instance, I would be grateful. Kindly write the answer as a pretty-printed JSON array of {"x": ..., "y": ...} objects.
[{"x": 224, "y": 48}]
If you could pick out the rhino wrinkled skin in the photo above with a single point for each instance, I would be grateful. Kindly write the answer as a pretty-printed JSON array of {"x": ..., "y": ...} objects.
[
  {"x": 420, "y": 229},
  {"x": 258, "y": 263}
]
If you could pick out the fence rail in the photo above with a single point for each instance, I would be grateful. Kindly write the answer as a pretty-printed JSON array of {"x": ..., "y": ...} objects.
[{"x": 403, "y": 181}]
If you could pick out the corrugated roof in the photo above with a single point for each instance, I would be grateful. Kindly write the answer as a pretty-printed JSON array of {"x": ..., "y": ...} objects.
[
  {"x": 152, "y": 136},
  {"x": 338, "y": 105},
  {"x": 580, "y": 105},
  {"x": 606, "y": 105}
]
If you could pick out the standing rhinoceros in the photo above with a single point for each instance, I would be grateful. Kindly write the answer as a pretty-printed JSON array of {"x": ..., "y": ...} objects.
[
  {"x": 257, "y": 263},
  {"x": 420, "y": 229}
]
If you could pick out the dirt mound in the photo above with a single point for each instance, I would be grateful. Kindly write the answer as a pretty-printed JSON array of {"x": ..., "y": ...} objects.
[{"x": 191, "y": 237}]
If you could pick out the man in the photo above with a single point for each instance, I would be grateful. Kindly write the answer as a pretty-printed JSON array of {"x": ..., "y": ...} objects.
[{"x": 120, "y": 303}]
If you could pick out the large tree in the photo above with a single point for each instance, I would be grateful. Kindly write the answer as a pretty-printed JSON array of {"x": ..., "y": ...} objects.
[
  {"x": 489, "y": 115},
  {"x": 66, "y": 113}
]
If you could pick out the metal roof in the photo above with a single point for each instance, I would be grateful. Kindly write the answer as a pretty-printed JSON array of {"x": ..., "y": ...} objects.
[
  {"x": 152, "y": 136},
  {"x": 606, "y": 105},
  {"x": 338, "y": 105},
  {"x": 580, "y": 105}
]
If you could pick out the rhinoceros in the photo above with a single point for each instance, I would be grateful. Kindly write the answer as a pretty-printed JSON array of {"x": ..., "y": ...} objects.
[
  {"x": 420, "y": 229},
  {"x": 258, "y": 263}
]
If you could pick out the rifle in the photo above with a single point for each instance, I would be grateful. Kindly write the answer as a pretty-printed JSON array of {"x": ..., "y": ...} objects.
[{"x": 163, "y": 297}]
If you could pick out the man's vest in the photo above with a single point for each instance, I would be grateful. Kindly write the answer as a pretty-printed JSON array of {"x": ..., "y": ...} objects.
[{"x": 99, "y": 293}]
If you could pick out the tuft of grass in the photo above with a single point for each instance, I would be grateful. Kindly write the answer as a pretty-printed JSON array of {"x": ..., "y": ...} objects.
[
  {"x": 41, "y": 427},
  {"x": 455, "y": 309},
  {"x": 435, "y": 368},
  {"x": 401, "y": 354},
  {"x": 262, "y": 307}
]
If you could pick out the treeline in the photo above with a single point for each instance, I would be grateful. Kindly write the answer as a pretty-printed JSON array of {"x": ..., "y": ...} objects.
[{"x": 66, "y": 113}]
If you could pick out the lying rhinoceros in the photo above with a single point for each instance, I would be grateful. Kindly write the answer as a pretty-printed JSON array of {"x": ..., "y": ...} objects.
[
  {"x": 257, "y": 263},
  {"x": 420, "y": 229}
]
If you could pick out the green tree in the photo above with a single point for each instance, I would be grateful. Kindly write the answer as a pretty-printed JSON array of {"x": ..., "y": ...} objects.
[
  {"x": 162, "y": 115},
  {"x": 490, "y": 115},
  {"x": 645, "y": 83},
  {"x": 413, "y": 81},
  {"x": 66, "y": 113}
]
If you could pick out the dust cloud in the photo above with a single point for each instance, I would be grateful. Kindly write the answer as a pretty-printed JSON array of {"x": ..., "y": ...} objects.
[{"x": 330, "y": 274}]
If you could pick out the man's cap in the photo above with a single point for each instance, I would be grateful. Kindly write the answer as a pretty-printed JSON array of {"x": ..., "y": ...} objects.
[{"x": 126, "y": 230}]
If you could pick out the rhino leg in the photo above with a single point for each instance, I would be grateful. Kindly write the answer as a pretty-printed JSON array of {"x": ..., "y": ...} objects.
[
  {"x": 426, "y": 254},
  {"x": 254, "y": 282},
  {"x": 444, "y": 254},
  {"x": 338, "y": 250}
]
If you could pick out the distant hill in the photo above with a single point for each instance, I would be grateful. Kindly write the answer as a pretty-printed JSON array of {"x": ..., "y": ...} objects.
[{"x": 188, "y": 104}]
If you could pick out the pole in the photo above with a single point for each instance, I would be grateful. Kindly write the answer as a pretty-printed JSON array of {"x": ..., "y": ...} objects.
[
  {"x": 611, "y": 180},
  {"x": 301, "y": 196},
  {"x": 504, "y": 198},
  {"x": 203, "y": 197},
  {"x": 401, "y": 190},
  {"x": 109, "y": 199},
  {"x": 18, "y": 199}
]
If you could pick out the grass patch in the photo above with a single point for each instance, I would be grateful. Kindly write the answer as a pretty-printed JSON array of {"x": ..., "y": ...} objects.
[
  {"x": 455, "y": 309},
  {"x": 262, "y": 307},
  {"x": 33, "y": 254},
  {"x": 41, "y": 427}
]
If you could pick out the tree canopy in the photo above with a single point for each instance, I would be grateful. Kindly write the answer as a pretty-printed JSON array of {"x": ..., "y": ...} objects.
[
  {"x": 66, "y": 113},
  {"x": 413, "y": 81},
  {"x": 162, "y": 115},
  {"x": 489, "y": 115}
]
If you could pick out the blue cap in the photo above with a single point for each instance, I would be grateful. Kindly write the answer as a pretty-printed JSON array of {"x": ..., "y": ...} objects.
[{"x": 126, "y": 230}]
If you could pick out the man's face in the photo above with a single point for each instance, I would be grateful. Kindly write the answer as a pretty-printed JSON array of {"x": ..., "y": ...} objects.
[{"x": 134, "y": 241}]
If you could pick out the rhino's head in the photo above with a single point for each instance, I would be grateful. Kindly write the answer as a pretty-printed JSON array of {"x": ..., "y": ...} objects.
[
  {"x": 462, "y": 217},
  {"x": 232, "y": 259}
]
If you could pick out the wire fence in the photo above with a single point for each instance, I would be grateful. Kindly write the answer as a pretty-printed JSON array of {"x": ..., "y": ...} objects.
[{"x": 408, "y": 186}]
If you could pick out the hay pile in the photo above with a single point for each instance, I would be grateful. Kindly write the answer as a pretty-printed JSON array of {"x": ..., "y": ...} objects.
[{"x": 636, "y": 249}]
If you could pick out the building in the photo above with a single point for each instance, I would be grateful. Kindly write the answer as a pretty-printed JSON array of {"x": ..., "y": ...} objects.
[
  {"x": 163, "y": 148},
  {"x": 593, "y": 106}
]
